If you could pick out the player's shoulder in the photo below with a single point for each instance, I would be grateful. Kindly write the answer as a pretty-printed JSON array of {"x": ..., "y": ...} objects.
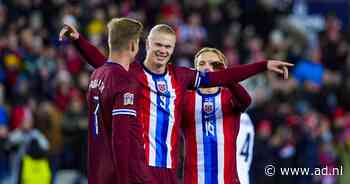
[
  {"x": 136, "y": 65},
  {"x": 180, "y": 68},
  {"x": 108, "y": 72},
  {"x": 226, "y": 94},
  {"x": 225, "y": 90},
  {"x": 109, "y": 66},
  {"x": 181, "y": 73},
  {"x": 112, "y": 69}
]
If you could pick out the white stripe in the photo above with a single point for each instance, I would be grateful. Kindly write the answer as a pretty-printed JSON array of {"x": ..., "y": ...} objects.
[
  {"x": 199, "y": 81},
  {"x": 152, "y": 120},
  {"x": 95, "y": 98},
  {"x": 124, "y": 110},
  {"x": 220, "y": 138},
  {"x": 199, "y": 139},
  {"x": 196, "y": 81},
  {"x": 123, "y": 113},
  {"x": 96, "y": 118},
  {"x": 171, "y": 120}
]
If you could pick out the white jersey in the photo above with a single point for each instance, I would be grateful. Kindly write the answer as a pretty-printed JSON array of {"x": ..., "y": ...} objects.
[{"x": 244, "y": 153}]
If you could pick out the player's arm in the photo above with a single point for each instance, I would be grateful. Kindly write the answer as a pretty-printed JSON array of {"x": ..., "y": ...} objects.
[
  {"x": 240, "y": 97},
  {"x": 226, "y": 77},
  {"x": 121, "y": 146},
  {"x": 89, "y": 52}
]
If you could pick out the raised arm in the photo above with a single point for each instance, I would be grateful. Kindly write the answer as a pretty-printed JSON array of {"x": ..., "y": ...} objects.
[{"x": 89, "y": 52}]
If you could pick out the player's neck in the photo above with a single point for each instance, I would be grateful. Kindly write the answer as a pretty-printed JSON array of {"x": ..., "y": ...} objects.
[
  {"x": 208, "y": 90},
  {"x": 157, "y": 69},
  {"x": 121, "y": 58}
]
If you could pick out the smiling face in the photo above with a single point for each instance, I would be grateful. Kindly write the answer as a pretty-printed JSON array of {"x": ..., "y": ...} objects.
[
  {"x": 160, "y": 47},
  {"x": 209, "y": 61}
]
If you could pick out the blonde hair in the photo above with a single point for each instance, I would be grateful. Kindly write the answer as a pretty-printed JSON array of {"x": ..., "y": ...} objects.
[
  {"x": 163, "y": 28},
  {"x": 121, "y": 31},
  {"x": 210, "y": 49}
]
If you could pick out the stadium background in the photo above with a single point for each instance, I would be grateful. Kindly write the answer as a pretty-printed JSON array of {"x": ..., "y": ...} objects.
[{"x": 301, "y": 122}]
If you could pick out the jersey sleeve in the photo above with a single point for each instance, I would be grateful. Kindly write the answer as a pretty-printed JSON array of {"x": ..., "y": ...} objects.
[
  {"x": 193, "y": 79},
  {"x": 89, "y": 52},
  {"x": 122, "y": 118},
  {"x": 240, "y": 97},
  {"x": 121, "y": 148}
]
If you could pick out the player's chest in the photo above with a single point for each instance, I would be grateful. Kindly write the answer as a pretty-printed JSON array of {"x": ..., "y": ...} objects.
[
  {"x": 210, "y": 113},
  {"x": 161, "y": 90}
]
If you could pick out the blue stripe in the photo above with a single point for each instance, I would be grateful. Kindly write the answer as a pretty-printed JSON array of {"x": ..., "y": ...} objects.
[
  {"x": 163, "y": 112},
  {"x": 210, "y": 143}
]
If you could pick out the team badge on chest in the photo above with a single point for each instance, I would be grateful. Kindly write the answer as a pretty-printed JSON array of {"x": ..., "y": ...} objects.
[
  {"x": 208, "y": 107},
  {"x": 161, "y": 86},
  {"x": 128, "y": 98}
]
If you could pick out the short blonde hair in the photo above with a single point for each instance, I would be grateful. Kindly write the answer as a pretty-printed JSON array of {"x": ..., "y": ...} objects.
[
  {"x": 221, "y": 56},
  {"x": 163, "y": 28},
  {"x": 121, "y": 31}
]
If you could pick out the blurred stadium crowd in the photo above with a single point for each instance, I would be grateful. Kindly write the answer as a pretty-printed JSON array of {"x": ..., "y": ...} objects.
[{"x": 301, "y": 122}]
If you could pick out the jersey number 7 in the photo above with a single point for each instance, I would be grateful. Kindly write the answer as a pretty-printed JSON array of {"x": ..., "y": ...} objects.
[{"x": 95, "y": 128}]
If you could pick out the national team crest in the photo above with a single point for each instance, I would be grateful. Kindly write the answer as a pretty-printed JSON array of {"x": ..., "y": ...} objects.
[
  {"x": 161, "y": 86},
  {"x": 208, "y": 107},
  {"x": 128, "y": 98}
]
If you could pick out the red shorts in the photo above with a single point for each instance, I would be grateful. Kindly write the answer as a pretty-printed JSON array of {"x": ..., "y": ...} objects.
[{"x": 161, "y": 175}]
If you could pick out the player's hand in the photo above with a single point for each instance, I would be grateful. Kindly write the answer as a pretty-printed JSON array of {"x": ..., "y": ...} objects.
[
  {"x": 279, "y": 67},
  {"x": 69, "y": 32}
]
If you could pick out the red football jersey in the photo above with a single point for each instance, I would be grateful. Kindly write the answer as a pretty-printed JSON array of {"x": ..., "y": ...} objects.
[
  {"x": 115, "y": 150},
  {"x": 161, "y": 97}
]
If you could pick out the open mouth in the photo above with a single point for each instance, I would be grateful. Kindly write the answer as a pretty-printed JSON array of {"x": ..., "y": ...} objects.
[{"x": 160, "y": 56}]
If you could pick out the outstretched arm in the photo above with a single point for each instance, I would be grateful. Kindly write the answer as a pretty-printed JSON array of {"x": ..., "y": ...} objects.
[
  {"x": 231, "y": 75},
  {"x": 89, "y": 52},
  {"x": 194, "y": 79}
]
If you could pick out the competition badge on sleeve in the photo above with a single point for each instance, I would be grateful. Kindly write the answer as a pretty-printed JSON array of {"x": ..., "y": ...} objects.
[{"x": 128, "y": 99}]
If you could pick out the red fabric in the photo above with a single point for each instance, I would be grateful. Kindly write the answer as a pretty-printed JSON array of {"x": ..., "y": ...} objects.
[
  {"x": 17, "y": 116},
  {"x": 163, "y": 175},
  {"x": 116, "y": 153},
  {"x": 189, "y": 129},
  {"x": 240, "y": 97},
  {"x": 74, "y": 64},
  {"x": 235, "y": 74},
  {"x": 230, "y": 123}
]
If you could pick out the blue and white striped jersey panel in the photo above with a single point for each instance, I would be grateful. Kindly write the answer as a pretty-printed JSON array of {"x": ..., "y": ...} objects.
[
  {"x": 209, "y": 139},
  {"x": 161, "y": 120}
]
